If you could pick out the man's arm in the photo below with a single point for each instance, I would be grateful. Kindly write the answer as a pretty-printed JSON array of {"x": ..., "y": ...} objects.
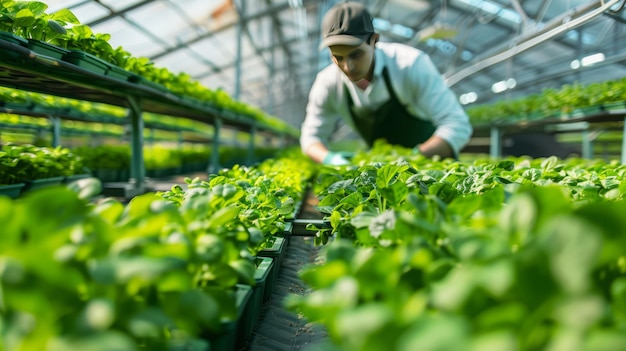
[
  {"x": 436, "y": 100},
  {"x": 317, "y": 152},
  {"x": 436, "y": 146}
]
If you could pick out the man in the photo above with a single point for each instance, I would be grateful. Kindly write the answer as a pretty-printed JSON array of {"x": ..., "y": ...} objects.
[{"x": 385, "y": 91}]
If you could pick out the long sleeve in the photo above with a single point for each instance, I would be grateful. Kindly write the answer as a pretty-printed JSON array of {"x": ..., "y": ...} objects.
[
  {"x": 322, "y": 112},
  {"x": 434, "y": 100}
]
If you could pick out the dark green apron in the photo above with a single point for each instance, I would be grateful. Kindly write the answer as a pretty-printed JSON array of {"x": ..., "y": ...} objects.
[{"x": 391, "y": 121}]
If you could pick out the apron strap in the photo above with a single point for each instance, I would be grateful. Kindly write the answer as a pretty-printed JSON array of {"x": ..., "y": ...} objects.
[{"x": 391, "y": 121}]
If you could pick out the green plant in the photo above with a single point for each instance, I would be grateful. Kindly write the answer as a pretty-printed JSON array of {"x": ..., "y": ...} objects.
[
  {"x": 20, "y": 163},
  {"x": 30, "y": 20},
  {"x": 153, "y": 274},
  {"x": 504, "y": 255},
  {"x": 551, "y": 102}
]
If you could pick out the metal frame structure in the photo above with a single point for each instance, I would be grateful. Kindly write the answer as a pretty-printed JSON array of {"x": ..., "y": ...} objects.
[{"x": 265, "y": 52}]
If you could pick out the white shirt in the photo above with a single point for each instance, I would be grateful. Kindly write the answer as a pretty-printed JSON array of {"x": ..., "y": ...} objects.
[{"x": 416, "y": 82}]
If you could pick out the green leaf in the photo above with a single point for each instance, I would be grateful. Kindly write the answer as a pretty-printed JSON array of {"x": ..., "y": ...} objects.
[
  {"x": 436, "y": 333},
  {"x": 383, "y": 223},
  {"x": 11, "y": 220},
  {"x": 122, "y": 270},
  {"x": 65, "y": 15},
  {"x": 549, "y": 163},
  {"x": 103, "y": 341},
  {"x": 605, "y": 339},
  {"x": 464, "y": 206},
  {"x": 223, "y": 216},
  {"x": 324, "y": 276},
  {"x": 395, "y": 194},
  {"x": 37, "y": 7},
  {"x": 81, "y": 32},
  {"x": 55, "y": 209},
  {"x": 363, "y": 328},
  {"x": 148, "y": 323},
  {"x": 56, "y": 27},
  {"x": 200, "y": 306},
  {"x": 450, "y": 293},
  {"x": 353, "y": 199},
  {"x": 110, "y": 210},
  {"x": 245, "y": 270},
  {"x": 86, "y": 188},
  {"x": 362, "y": 219},
  {"x": 573, "y": 247},
  {"x": 219, "y": 274},
  {"x": 503, "y": 315},
  {"x": 175, "y": 281},
  {"x": 497, "y": 277},
  {"x": 24, "y": 18},
  {"x": 501, "y": 340}
]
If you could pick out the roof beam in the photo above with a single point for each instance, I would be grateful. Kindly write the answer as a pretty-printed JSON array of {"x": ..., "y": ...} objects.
[
  {"x": 117, "y": 13},
  {"x": 272, "y": 10}
]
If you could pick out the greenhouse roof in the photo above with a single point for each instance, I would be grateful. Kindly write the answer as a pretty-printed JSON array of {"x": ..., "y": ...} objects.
[{"x": 265, "y": 52}]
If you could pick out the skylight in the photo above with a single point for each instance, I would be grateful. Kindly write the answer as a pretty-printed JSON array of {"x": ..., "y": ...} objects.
[{"x": 492, "y": 8}]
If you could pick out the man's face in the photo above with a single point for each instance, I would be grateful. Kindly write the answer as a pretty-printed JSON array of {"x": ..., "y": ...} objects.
[{"x": 355, "y": 61}]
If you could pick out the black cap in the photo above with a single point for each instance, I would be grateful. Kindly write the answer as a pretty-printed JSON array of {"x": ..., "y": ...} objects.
[{"x": 347, "y": 23}]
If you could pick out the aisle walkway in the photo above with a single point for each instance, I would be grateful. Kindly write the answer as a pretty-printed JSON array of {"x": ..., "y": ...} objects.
[{"x": 277, "y": 328}]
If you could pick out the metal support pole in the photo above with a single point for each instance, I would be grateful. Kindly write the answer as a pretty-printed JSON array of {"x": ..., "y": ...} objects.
[
  {"x": 240, "y": 34},
  {"x": 252, "y": 136},
  {"x": 215, "y": 153},
  {"x": 495, "y": 147},
  {"x": 137, "y": 168},
  {"x": 587, "y": 151},
  {"x": 272, "y": 68},
  {"x": 56, "y": 130}
]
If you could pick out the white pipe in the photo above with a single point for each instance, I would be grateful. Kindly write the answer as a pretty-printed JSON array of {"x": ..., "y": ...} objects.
[{"x": 527, "y": 44}]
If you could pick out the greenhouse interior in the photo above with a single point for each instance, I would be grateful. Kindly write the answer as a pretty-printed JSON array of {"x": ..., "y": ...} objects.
[{"x": 317, "y": 175}]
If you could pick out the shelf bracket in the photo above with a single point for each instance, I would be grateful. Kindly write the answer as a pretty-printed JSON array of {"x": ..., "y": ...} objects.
[
  {"x": 252, "y": 135},
  {"x": 495, "y": 147},
  {"x": 214, "y": 166},
  {"x": 137, "y": 169},
  {"x": 587, "y": 148},
  {"x": 56, "y": 130}
]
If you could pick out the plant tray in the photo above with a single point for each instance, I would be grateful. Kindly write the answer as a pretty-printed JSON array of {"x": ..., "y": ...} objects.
[
  {"x": 150, "y": 84},
  {"x": 74, "y": 177},
  {"x": 120, "y": 73},
  {"x": 260, "y": 293},
  {"x": 12, "y": 190},
  {"x": 35, "y": 184},
  {"x": 277, "y": 249},
  {"x": 229, "y": 338},
  {"x": 614, "y": 105},
  {"x": 277, "y": 253},
  {"x": 585, "y": 111},
  {"x": 45, "y": 49},
  {"x": 12, "y": 38},
  {"x": 111, "y": 175},
  {"x": 87, "y": 61}
]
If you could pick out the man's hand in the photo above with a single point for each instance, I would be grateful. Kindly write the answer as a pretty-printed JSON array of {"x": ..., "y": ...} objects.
[
  {"x": 435, "y": 145},
  {"x": 335, "y": 159}
]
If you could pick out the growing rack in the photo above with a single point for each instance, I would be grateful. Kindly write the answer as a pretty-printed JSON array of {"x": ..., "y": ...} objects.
[
  {"x": 584, "y": 121},
  {"x": 23, "y": 69}
]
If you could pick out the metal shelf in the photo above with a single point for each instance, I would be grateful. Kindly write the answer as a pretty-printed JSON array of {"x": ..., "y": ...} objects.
[
  {"x": 23, "y": 69},
  {"x": 582, "y": 121}
]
